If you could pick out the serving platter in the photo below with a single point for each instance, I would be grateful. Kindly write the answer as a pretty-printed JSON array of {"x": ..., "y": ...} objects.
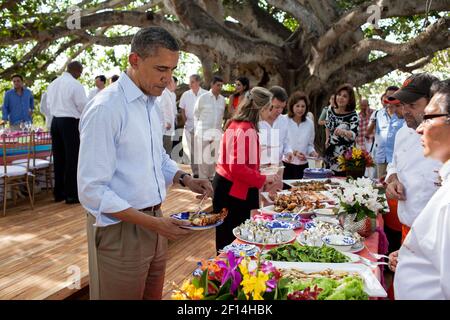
[{"x": 372, "y": 286}]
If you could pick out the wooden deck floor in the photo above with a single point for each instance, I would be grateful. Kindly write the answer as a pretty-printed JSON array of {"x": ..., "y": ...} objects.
[{"x": 39, "y": 249}]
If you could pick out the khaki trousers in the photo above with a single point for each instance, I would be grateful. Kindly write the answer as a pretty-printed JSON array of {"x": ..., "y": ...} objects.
[
  {"x": 381, "y": 169},
  {"x": 126, "y": 261}
]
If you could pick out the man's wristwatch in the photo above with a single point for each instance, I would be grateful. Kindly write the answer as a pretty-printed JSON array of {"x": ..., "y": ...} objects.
[{"x": 182, "y": 177}]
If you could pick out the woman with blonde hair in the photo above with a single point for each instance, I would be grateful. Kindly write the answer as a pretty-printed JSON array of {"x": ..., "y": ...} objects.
[{"x": 237, "y": 180}]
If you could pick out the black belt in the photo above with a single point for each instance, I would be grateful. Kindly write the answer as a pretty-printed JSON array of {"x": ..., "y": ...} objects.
[{"x": 153, "y": 208}]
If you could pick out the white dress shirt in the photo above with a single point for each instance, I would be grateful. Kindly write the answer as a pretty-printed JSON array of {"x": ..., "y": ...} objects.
[
  {"x": 45, "y": 111},
  {"x": 423, "y": 269},
  {"x": 168, "y": 104},
  {"x": 93, "y": 92},
  {"x": 66, "y": 97},
  {"x": 300, "y": 137},
  {"x": 273, "y": 140},
  {"x": 417, "y": 174},
  {"x": 122, "y": 162},
  {"x": 187, "y": 102},
  {"x": 208, "y": 116}
]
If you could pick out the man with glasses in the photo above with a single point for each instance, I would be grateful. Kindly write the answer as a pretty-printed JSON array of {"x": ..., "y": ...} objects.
[
  {"x": 411, "y": 177},
  {"x": 423, "y": 265}
]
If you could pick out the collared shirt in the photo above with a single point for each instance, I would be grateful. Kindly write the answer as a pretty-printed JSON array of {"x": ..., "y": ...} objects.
[
  {"x": 273, "y": 140},
  {"x": 93, "y": 92},
  {"x": 423, "y": 269},
  {"x": 300, "y": 137},
  {"x": 45, "y": 111},
  {"x": 187, "y": 102},
  {"x": 364, "y": 121},
  {"x": 382, "y": 119},
  {"x": 394, "y": 125},
  {"x": 16, "y": 108},
  {"x": 168, "y": 104},
  {"x": 208, "y": 116},
  {"x": 66, "y": 97},
  {"x": 417, "y": 174},
  {"x": 122, "y": 162}
]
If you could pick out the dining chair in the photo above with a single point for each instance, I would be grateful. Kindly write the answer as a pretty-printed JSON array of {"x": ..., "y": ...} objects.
[{"x": 14, "y": 148}]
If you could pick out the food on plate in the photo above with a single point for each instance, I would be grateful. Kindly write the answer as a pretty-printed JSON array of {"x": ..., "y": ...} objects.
[
  {"x": 297, "y": 253},
  {"x": 324, "y": 285},
  {"x": 297, "y": 201},
  {"x": 206, "y": 219},
  {"x": 258, "y": 232},
  {"x": 315, "y": 231},
  {"x": 314, "y": 185}
]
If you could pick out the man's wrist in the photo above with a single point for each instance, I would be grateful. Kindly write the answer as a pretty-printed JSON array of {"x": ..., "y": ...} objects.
[{"x": 184, "y": 179}]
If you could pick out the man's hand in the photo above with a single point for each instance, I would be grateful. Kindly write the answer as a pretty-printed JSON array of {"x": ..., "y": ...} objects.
[
  {"x": 393, "y": 260},
  {"x": 289, "y": 157},
  {"x": 201, "y": 186},
  {"x": 314, "y": 154},
  {"x": 300, "y": 156},
  {"x": 395, "y": 190},
  {"x": 172, "y": 228},
  {"x": 168, "y": 125}
]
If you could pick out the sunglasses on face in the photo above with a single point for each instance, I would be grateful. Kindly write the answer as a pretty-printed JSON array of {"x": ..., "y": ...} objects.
[{"x": 428, "y": 117}]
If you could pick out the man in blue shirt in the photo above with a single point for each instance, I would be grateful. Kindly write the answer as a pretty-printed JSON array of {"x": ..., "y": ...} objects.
[
  {"x": 18, "y": 104},
  {"x": 395, "y": 124}
]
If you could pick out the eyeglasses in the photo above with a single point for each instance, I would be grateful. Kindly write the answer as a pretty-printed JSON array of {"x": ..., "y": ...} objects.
[{"x": 428, "y": 117}]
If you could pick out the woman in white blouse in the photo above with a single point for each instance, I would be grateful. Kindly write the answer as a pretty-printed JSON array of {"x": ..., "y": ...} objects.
[
  {"x": 300, "y": 136},
  {"x": 422, "y": 266}
]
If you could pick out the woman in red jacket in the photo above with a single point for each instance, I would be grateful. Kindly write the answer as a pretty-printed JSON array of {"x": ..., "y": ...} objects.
[{"x": 237, "y": 180}]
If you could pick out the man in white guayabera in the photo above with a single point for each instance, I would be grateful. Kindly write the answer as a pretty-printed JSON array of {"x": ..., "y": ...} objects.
[
  {"x": 208, "y": 118},
  {"x": 187, "y": 103}
]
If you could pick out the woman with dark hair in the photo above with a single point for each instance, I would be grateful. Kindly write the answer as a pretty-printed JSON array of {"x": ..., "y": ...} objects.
[
  {"x": 300, "y": 136},
  {"x": 238, "y": 180},
  {"x": 342, "y": 126},
  {"x": 242, "y": 85}
]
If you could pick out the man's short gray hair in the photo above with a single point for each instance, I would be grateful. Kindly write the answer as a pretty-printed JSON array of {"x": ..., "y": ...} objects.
[
  {"x": 196, "y": 77},
  {"x": 147, "y": 40},
  {"x": 443, "y": 88}
]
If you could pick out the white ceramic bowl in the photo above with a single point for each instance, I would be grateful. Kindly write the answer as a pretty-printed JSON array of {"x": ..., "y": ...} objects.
[{"x": 339, "y": 242}]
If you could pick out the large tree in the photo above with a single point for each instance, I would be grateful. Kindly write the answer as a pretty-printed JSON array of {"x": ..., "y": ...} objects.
[{"x": 313, "y": 45}]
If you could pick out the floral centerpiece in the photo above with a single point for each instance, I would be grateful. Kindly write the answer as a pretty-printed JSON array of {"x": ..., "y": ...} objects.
[
  {"x": 354, "y": 161},
  {"x": 360, "y": 202},
  {"x": 236, "y": 278}
]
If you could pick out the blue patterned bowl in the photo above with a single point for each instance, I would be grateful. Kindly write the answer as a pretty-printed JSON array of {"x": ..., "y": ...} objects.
[{"x": 339, "y": 242}]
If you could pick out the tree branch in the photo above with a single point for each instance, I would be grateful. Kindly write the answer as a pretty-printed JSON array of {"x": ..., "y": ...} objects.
[
  {"x": 258, "y": 22},
  {"x": 417, "y": 64},
  {"x": 390, "y": 8},
  {"x": 308, "y": 21},
  {"x": 434, "y": 38}
]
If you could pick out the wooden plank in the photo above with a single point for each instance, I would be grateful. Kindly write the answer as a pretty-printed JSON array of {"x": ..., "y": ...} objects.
[{"x": 38, "y": 246}]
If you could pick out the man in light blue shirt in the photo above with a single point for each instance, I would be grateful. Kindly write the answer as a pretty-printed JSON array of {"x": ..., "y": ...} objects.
[
  {"x": 380, "y": 122},
  {"x": 123, "y": 174},
  {"x": 395, "y": 124},
  {"x": 18, "y": 104}
]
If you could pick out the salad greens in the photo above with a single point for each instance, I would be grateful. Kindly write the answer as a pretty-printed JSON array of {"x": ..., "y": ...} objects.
[
  {"x": 348, "y": 288},
  {"x": 297, "y": 253}
]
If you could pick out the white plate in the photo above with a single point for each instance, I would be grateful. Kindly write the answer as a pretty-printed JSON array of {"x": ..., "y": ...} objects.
[
  {"x": 372, "y": 286},
  {"x": 359, "y": 246},
  {"x": 270, "y": 211},
  {"x": 325, "y": 212},
  {"x": 181, "y": 216},
  {"x": 291, "y": 233},
  {"x": 249, "y": 250},
  {"x": 269, "y": 171}
]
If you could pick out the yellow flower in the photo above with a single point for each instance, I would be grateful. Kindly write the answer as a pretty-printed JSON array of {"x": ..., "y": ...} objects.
[
  {"x": 243, "y": 266},
  {"x": 356, "y": 153},
  {"x": 178, "y": 295},
  {"x": 255, "y": 285},
  {"x": 188, "y": 291}
]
